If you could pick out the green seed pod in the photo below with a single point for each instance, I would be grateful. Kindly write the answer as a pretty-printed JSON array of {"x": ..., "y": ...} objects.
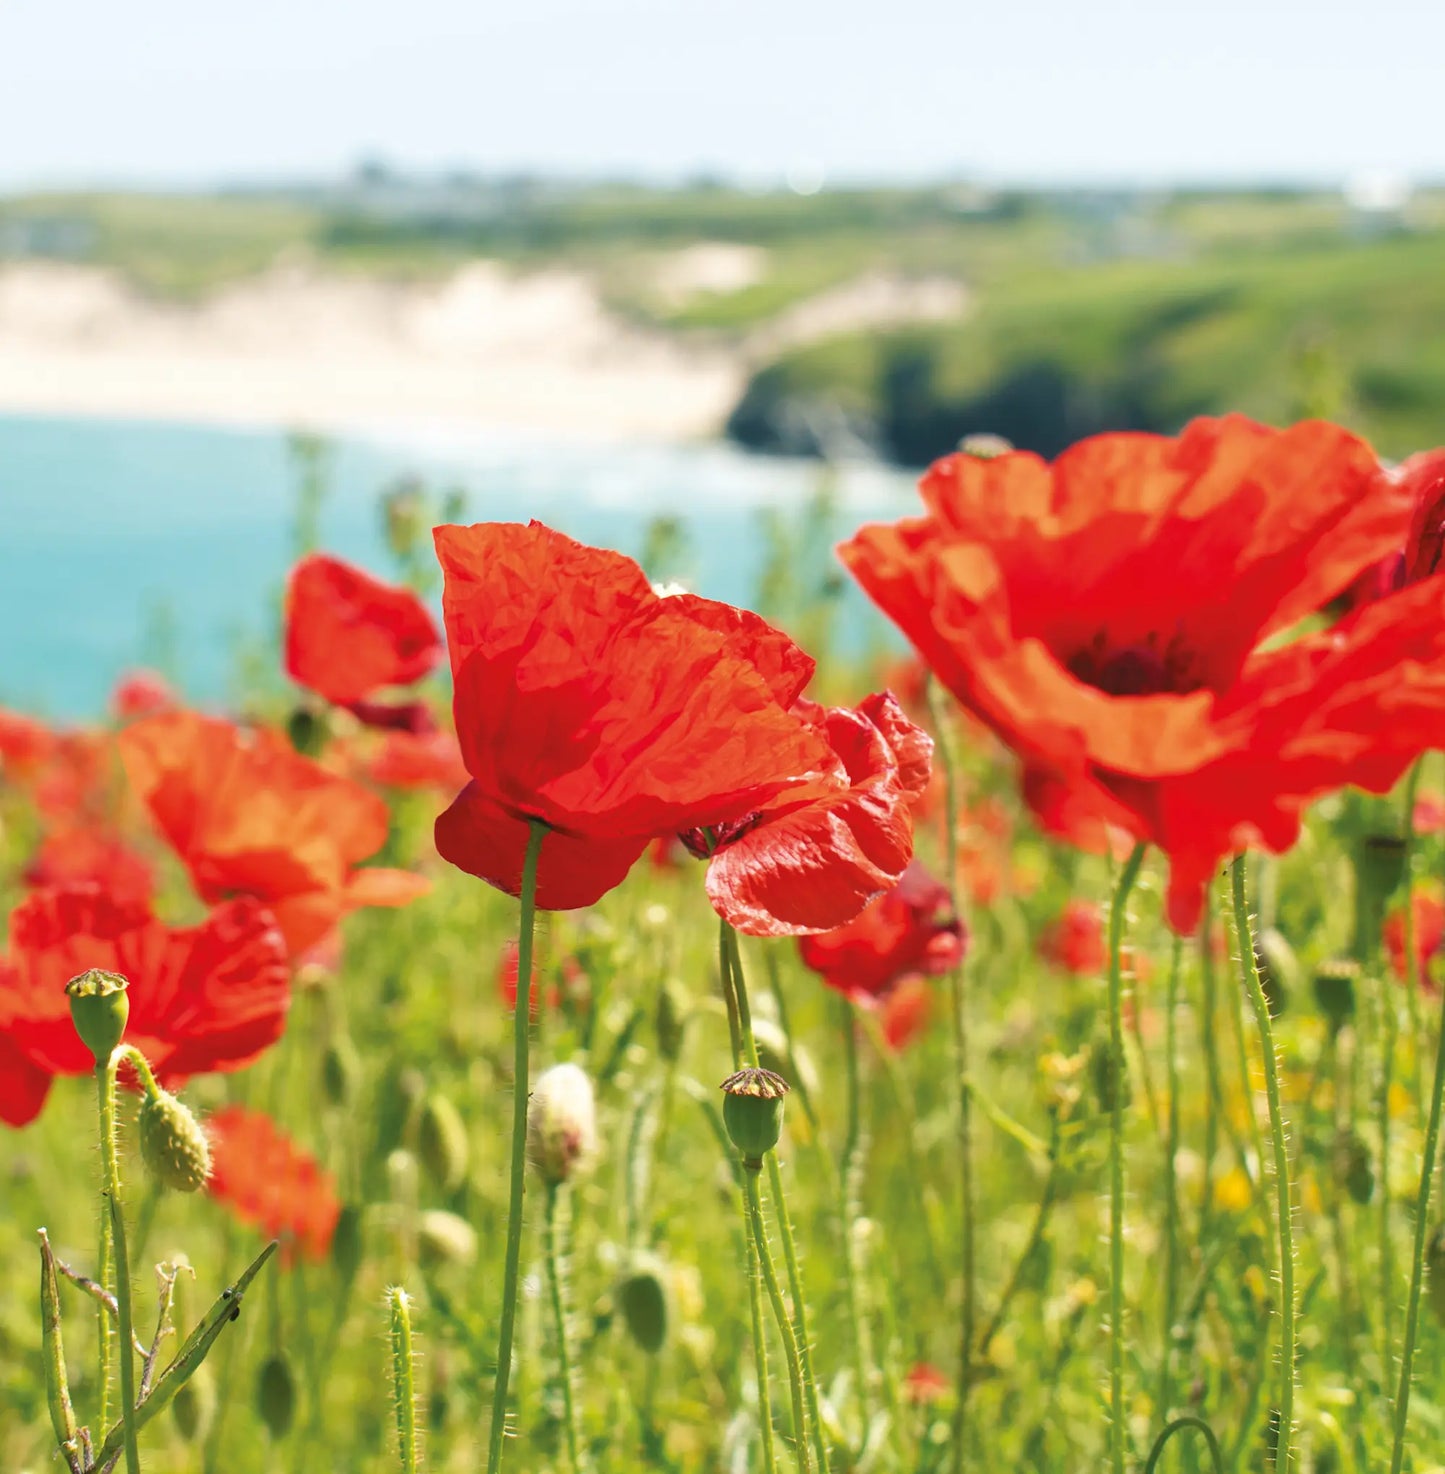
[
  {"x": 561, "y": 1123},
  {"x": 985, "y": 446},
  {"x": 444, "y": 1238},
  {"x": 1278, "y": 970},
  {"x": 276, "y": 1395},
  {"x": 99, "y": 1010},
  {"x": 1335, "y": 991},
  {"x": 1110, "y": 1077},
  {"x": 670, "y": 1020},
  {"x": 1353, "y": 1169},
  {"x": 340, "y": 1071},
  {"x": 307, "y": 731},
  {"x": 642, "y": 1298},
  {"x": 194, "y": 1405},
  {"x": 753, "y": 1112},
  {"x": 173, "y": 1143},
  {"x": 348, "y": 1242},
  {"x": 1435, "y": 1280},
  {"x": 441, "y": 1143}
]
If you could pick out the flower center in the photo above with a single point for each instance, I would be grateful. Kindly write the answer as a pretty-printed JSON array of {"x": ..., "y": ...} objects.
[
  {"x": 1148, "y": 668},
  {"x": 702, "y": 842}
]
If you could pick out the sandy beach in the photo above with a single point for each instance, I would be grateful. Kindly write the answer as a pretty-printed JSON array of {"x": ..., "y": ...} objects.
[{"x": 484, "y": 349}]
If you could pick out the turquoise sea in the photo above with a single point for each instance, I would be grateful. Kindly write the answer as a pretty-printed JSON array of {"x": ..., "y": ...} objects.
[{"x": 125, "y": 542}]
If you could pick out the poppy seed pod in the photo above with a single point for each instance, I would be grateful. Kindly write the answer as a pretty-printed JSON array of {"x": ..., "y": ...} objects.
[
  {"x": 753, "y": 1112},
  {"x": 441, "y": 1143},
  {"x": 1335, "y": 991},
  {"x": 99, "y": 1009},
  {"x": 173, "y": 1143},
  {"x": 561, "y": 1122}
]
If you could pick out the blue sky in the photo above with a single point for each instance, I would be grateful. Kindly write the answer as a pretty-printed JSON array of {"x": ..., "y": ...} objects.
[{"x": 172, "y": 91}]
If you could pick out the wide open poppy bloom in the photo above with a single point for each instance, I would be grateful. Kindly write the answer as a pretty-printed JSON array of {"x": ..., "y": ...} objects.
[
  {"x": 250, "y": 817},
  {"x": 810, "y": 859},
  {"x": 207, "y": 997},
  {"x": 349, "y": 635},
  {"x": 1115, "y": 617},
  {"x": 271, "y": 1183},
  {"x": 909, "y": 929},
  {"x": 613, "y": 715}
]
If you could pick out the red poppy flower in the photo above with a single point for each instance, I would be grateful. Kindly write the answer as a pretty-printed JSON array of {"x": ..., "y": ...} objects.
[
  {"x": 613, "y": 715},
  {"x": 1115, "y": 618},
  {"x": 1074, "y": 940},
  {"x": 404, "y": 760},
  {"x": 88, "y": 854},
  {"x": 24, "y": 745},
  {"x": 202, "y": 998},
  {"x": 925, "y": 1384},
  {"x": 349, "y": 635},
  {"x": 909, "y": 929},
  {"x": 1429, "y": 937},
  {"x": 906, "y": 1011},
  {"x": 1422, "y": 479},
  {"x": 814, "y": 856},
  {"x": 248, "y": 816},
  {"x": 1429, "y": 813},
  {"x": 141, "y": 693},
  {"x": 271, "y": 1183}
]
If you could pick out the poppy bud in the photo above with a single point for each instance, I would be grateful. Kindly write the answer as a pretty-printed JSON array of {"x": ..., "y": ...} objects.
[
  {"x": 99, "y": 1009},
  {"x": 441, "y": 1143},
  {"x": 670, "y": 1020},
  {"x": 348, "y": 1242},
  {"x": 1353, "y": 1168},
  {"x": 276, "y": 1395},
  {"x": 306, "y": 731},
  {"x": 642, "y": 1298},
  {"x": 753, "y": 1112},
  {"x": 172, "y": 1142},
  {"x": 1379, "y": 861},
  {"x": 444, "y": 1238},
  {"x": 1278, "y": 969},
  {"x": 1335, "y": 991},
  {"x": 1435, "y": 1282},
  {"x": 561, "y": 1122},
  {"x": 340, "y": 1071},
  {"x": 194, "y": 1404},
  {"x": 1110, "y": 1076}
]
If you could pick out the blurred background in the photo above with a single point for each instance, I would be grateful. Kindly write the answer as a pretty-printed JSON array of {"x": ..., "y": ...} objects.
[{"x": 703, "y": 283}]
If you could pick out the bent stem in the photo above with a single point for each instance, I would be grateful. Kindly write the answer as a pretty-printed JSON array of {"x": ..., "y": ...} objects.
[
  {"x": 520, "y": 1021},
  {"x": 1117, "y": 919},
  {"x": 1417, "y": 1262},
  {"x": 557, "y": 1287},
  {"x": 111, "y": 1213},
  {"x": 1249, "y": 970},
  {"x": 745, "y": 1049}
]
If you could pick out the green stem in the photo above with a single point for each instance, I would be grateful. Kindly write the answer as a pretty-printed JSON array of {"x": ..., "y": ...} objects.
[
  {"x": 556, "y": 1283},
  {"x": 1412, "y": 960},
  {"x": 780, "y": 1312},
  {"x": 798, "y": 1329},
  {"x": 1171, "y": 1179},
  {"x": 520, "y": 1023},
  {"x": 111, "y": 1209},
  {"x": 850, "y": 1173},
  {"x": 760, "y": 1346},
  {"x": 1249, "y": 971},
  {"x": 105, "y": 1269},
  {"x": 1179, "y": 1425},
  {"x": 1417, "y": 1262},
  {"x": 403, "y": 1375},
  {"x": 1389, "y": 1041},
  {"x": 958, "y": 1017},
  {"x": 1118, "y": 916}
]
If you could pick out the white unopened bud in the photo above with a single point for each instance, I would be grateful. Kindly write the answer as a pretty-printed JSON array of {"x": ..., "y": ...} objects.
[{"x": 561, "y": 1123}]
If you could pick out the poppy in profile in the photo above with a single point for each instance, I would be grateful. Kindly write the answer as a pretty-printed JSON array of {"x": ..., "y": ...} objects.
[
  {"x": 811, "y": 858},
  {"x": 610, "y": 713},
  {"x": 248, "y": 816},
  {"x": 80, "y": 854},
  {"x": 1422, "y": 479},
  {"x": 1429, "y": 922},
  {"x": 202, "y": 998},
  {"x": 911, "y": 928},
  {"x": 349, "y": 635},
  {"x": 1121, "y": 617},
  {"x": 141, "y": 693},
  {"x": 271, "y": 1183}
]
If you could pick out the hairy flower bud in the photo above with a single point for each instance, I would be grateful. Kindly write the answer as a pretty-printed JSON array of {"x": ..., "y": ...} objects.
[
  {"x": 753, "y": 1112},
  {"x": 276, "y": 1395},
  {"x": 445, "y": 1238},
  {"x": 561, "y": 1122},
  {"x": 441, "y": 1143},
  {"x": 1335, "y": 991},
  {"x": 670, "y": 1020},
  {"x": 642, "y": 1298},
  {"x": 99, "y": 1010},
  {"x": 173, "y": 1143},
  {"x": 194, "y": 1405},
  {"x": 340, "y": 1071}
]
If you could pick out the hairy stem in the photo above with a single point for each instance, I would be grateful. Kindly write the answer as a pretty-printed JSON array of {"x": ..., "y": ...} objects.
[{"x": 557, "y": 1288}]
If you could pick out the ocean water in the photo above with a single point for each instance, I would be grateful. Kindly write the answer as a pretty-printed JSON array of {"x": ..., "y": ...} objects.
[{"x": 125, "y": 542}]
